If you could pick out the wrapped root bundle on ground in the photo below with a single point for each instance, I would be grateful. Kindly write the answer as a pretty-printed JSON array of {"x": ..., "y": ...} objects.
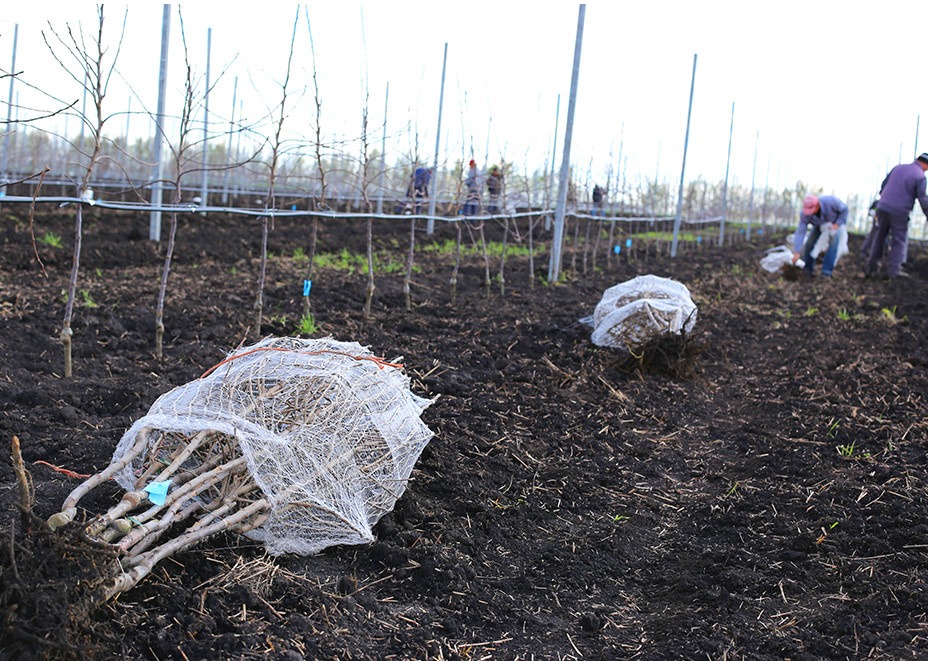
[
  {"x": 636, "y": 311},
  {"x": 301, "y": 444}
]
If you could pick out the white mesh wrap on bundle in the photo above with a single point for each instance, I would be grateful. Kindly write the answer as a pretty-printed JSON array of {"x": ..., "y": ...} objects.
[
  {"x": 329, "y": 439},
  {"x": 632, "y": 312}
]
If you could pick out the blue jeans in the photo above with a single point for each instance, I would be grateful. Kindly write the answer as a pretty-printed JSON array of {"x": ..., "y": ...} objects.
[{"x": 828, "y": 261}]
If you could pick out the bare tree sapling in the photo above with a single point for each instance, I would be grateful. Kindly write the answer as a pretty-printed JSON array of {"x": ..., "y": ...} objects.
[{"x": 82, "y": 56}]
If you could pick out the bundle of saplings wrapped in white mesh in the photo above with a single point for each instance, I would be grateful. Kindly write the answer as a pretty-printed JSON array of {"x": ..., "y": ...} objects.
[
  {"x": 301, "y": 444},
  {"x": 634, "y": 312}
]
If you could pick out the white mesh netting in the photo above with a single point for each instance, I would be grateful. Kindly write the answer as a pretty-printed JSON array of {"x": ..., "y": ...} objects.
[
  {"x": 633, "y": 312},
  {"x": 329, "y": 434}
]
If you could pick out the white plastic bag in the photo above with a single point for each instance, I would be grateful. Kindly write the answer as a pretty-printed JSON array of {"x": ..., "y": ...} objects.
[
  {"x": 633, "y": 312},
  {"x": 821, "y": 246},
  {"x": 777, "y": 258}
]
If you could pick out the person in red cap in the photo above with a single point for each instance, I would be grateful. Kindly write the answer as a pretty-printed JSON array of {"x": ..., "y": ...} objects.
[
  {"x": 903, "y": 185},
  {"x": 819, "y": 213},
  {"x": 472, "y": 201}
]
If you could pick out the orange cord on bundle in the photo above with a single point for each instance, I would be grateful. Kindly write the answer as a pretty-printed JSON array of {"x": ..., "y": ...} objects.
[
  {"x": 67, "y": 472},
  {"x": 380, "y": 362}
]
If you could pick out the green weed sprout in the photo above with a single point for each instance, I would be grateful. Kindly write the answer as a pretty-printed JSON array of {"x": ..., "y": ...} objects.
[
  {"x": 846, "y": 451},
  {"x": 890, "y": 315},
  {"x": 307, "y": 325},
  {"x": 51, "y": 239},
  {"x": 86, "y": 299}
]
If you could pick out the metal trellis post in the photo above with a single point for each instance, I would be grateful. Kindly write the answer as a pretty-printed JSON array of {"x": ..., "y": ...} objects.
[
  {"x": 679, "y": 217},
  {"x": 204, "y": 189},
  {"x": 383, "y": 150},
  {"x": 154, "y": 229},
  {"x": 9, "y": 105},
  {"x": 557, "y": 119},
  {"x": 731, "y": 128},
  {"x": 430, "y": 226},
  {"x": 554, "y": 267},
  {"x": 753, "y": 173}
]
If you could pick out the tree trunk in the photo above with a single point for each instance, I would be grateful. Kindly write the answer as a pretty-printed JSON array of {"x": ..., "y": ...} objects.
[
  {"x": 259, "y": 295},
  {"x": 309, "y": 269},
  {"x": 162, "y": 290},
  {"x": 486, "y": 260},
  {"x": 457, "y": 264},
  {"x": 66, "y": 332},
  {"x": 370, "y": 269},
  {"x": 408, "y": 278},
  {"x": 502, "y": 260}
]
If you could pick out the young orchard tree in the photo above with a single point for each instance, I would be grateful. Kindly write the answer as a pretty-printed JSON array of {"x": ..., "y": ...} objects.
[
  {"x": 458, "y": 229},
  {"x": 457, "y": 260},
  {"x": 483, "y": 251},
  {"x": 502, "y": 257},
  {"x": 270, "y": 202},
  {"x": 407, "y": 279},
  {"x": 184, "y": 163},
  {"x": 532, "y": 221},
  {"x": 84, "y": 58},
  {"x": 365, "y": 171},
  {"x": 320, "y": 167}
]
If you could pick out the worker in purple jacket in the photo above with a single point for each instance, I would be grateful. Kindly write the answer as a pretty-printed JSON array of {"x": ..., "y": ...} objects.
[
  {"x": 821, "y": 212},
  {"x": 903, "y": 185}
]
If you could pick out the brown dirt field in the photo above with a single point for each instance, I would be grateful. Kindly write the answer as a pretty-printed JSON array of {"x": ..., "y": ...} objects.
[{"x": 770, "y": 504}]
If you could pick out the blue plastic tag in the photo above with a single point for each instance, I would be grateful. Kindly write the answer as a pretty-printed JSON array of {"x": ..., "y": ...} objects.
[
  {"x": 157, "y": 491},
  {"x": 628, "y": 243},
  {"x": 307, "y": 285},
  {"x": 617, "y": 249}
]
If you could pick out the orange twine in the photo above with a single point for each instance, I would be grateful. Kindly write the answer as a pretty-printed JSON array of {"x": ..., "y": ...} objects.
[
  {"x": 380, "y": 362},
  {"x": 67, "y": 472}
]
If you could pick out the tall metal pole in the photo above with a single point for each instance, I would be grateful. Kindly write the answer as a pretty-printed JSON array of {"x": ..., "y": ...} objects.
[
  {"x": 763, "y": 213},
  {"x": 225, "y": 175},
  {"x": 430, "y": 226},
  {"x": 918, "y": 119},
  {"x": 154, "y": 228},
  {"x": 619, "y": 181},
  {"x": 9, "y": 105},
  {"x": 383, "y": 150},
  {"x": 731, "y": 129},
  {"x": 557, "y": 118},
  {"x": 753, "y": 173},
  {"x": 554, "y": 267},
  {"x": 657, "y": 178},
  {"x": 204, "y": 190},
  {"x": 679, "y": 217}
]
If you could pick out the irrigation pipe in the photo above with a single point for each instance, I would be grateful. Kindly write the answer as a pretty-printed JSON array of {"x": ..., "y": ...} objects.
[{"x": 282, "y": 213}]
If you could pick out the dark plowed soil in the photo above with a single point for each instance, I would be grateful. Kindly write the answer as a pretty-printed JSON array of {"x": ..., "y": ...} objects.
[{"x": 766, "y": 500}]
